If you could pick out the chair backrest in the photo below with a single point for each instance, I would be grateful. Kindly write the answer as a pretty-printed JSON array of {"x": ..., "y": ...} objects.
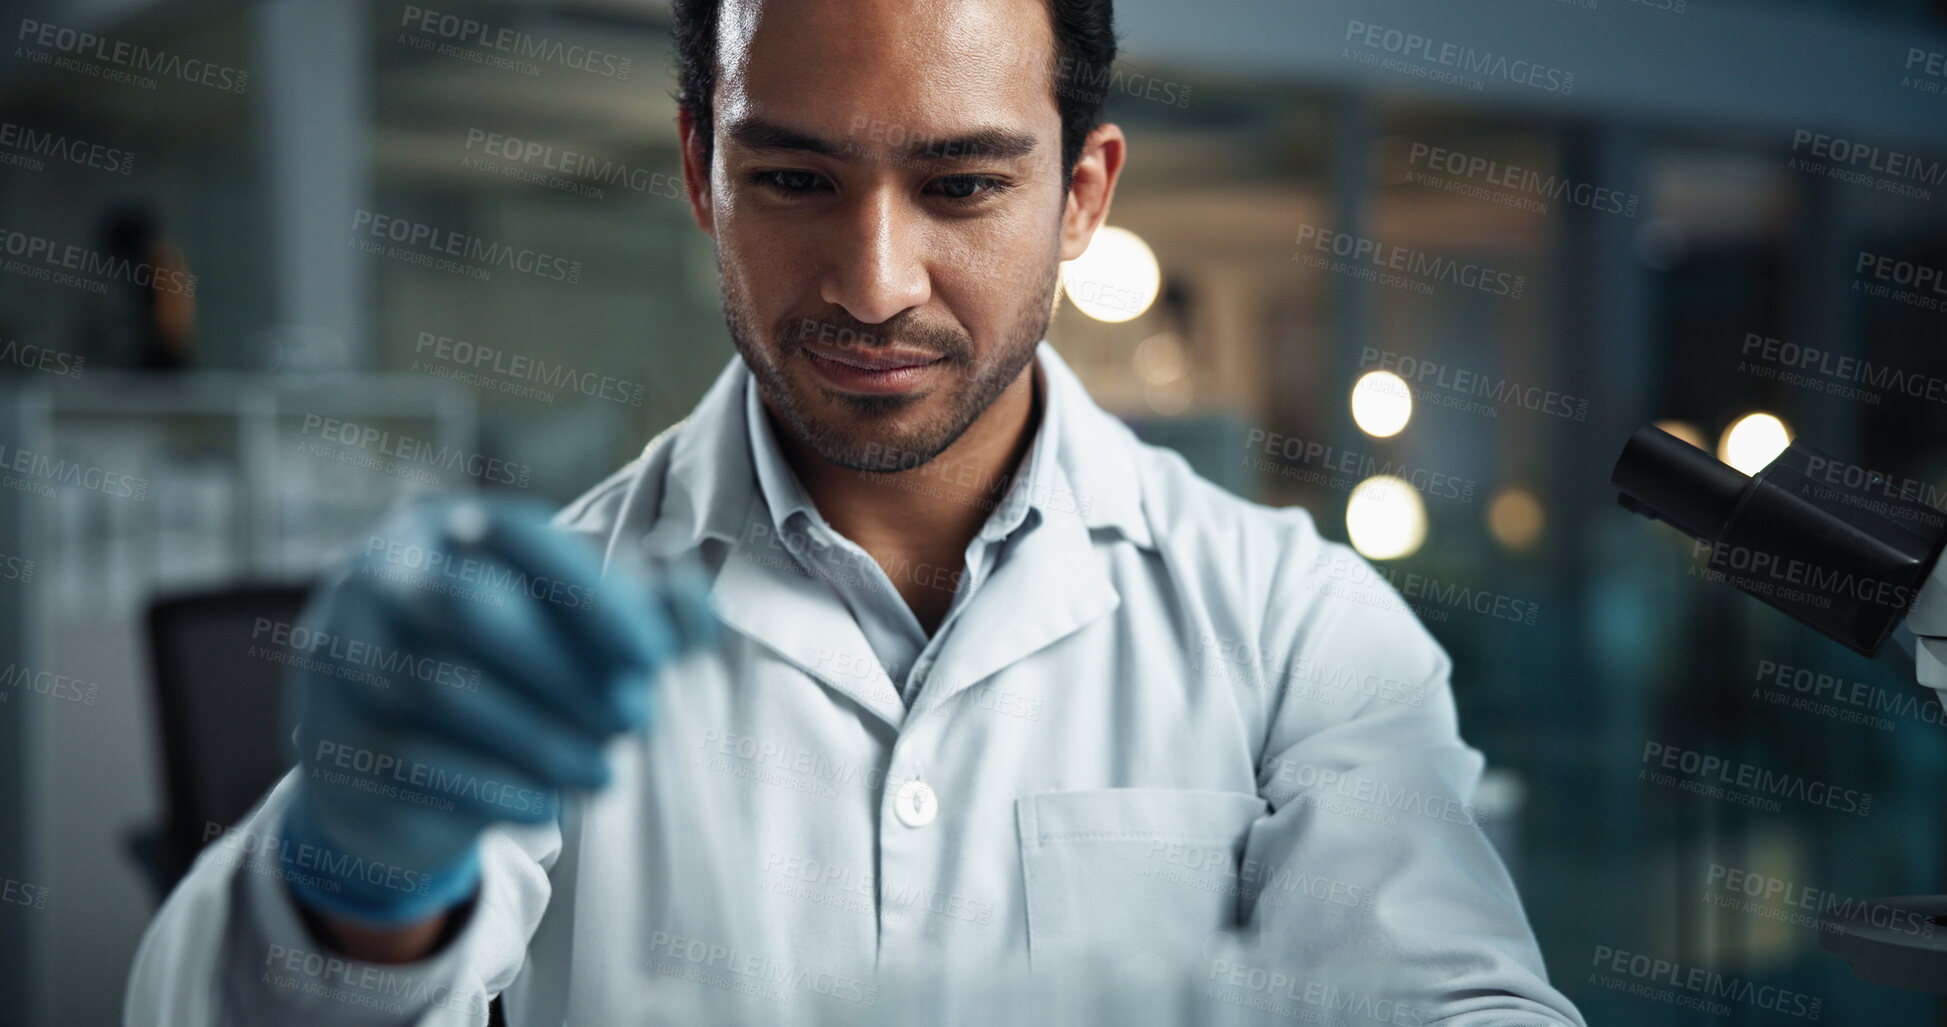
[
  {"x": 219, "y": 676},
  {"x": 219, "y": 688}
]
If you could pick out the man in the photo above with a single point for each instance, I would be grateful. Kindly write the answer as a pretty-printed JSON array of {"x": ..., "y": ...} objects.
[{"x": 998, "y": 689}]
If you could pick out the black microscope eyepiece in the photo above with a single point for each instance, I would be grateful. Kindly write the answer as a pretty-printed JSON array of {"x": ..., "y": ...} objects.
[{"x": 1826, "y": 541}]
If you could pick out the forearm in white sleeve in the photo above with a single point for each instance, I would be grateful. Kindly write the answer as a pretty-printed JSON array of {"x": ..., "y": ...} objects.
[
  {"x": 1372, "y": 886},
  {"x": 230, "y": 946}
]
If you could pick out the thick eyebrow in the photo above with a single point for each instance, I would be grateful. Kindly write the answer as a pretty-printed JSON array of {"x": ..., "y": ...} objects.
[{"x": 987, "y": 143}]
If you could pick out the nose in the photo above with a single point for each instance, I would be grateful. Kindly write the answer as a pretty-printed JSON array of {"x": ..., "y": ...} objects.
[{"x": 875, "y": 267}]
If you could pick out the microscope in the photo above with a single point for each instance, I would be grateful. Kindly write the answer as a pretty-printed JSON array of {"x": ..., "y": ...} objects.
[{"x": 1843, "y": 550}]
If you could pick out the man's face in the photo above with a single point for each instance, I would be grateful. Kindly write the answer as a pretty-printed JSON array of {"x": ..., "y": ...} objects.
[{"x": 887, "y": 201}]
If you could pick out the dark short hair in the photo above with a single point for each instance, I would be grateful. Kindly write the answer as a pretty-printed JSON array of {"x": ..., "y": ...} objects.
[{"x": 1085, "y": 49}]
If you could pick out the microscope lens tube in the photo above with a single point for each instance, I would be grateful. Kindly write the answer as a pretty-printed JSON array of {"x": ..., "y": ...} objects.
[{"x": 1813, "y": 536}]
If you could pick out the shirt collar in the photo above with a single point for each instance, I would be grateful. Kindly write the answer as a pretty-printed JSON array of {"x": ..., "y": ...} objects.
[
  {"x": 1034, "y": 482},
  {"x": 776, "y": 482},
  {"x": 1083, "y": 463}
]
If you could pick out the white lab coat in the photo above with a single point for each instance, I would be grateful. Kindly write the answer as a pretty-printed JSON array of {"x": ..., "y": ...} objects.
[{"x": 1168, "y": 710}]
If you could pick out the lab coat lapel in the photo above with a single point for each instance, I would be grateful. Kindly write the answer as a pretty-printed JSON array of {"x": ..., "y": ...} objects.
[
  {"x": 762, "y": 594},
  {"x": 1051, "y": 585},
  {"x": 1054, "y": 581},
  {"x": 710, "y": 492}
]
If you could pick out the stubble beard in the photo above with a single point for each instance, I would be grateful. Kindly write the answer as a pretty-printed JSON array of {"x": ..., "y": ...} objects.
[{"x": 844, "y": 428}]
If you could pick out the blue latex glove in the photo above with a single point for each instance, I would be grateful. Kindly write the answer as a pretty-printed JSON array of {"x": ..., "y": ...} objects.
[{"x": 469, "y": 664}]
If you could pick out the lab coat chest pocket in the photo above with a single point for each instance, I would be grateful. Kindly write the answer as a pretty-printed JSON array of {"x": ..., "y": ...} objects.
[{"x": 1124, "y": 869}]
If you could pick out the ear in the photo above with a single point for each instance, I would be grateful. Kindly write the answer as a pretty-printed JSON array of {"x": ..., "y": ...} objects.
[
  {"x": 696, "y": 171},
  {"x": 1096, "y": 172}
]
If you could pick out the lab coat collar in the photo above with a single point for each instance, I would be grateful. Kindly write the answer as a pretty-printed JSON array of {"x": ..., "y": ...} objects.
[
  {"x": 1050, "y": 585},
  {"x": 1097, "y": 456}
]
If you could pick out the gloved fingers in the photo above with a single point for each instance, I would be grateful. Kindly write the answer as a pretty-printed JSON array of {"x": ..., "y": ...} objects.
[
  {"x": 507, "y": 724},
  {"x": 518, "y": 649},
  {"x": 444, "y": 788},
  {"x": 624, "y": 624},
  {"x": 389, "y": 830},
  {"x": 610, "y": 615},
  {"x": 503, "y": 634},
  {"x": 520, "y": 705},
  {"x": 375, "y": 790}
]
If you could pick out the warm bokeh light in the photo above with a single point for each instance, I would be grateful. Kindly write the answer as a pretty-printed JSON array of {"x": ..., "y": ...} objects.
[
  {"x": 1168, "y": 398},
  {"x": 1752, "y": 441},
  {"x": 1385, "y": 518},
  {"x": 1515, "y": 518},
  {"x": 1159, "y": 359},
  {"x": 1686, "y": 431},
  {"x": 1115, "y": 279},
  {"x": 1381, "y": 404}
]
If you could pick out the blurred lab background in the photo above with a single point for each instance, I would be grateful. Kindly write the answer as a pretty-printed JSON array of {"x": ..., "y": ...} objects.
[{"x": 1702, "y": 212}]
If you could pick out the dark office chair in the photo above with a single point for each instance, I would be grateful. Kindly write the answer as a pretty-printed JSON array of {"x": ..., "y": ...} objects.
[
  {"x": 219, "y": 708},
  {"x": 221, "y": 714}
]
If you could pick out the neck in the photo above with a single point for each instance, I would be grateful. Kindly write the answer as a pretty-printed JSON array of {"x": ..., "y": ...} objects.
[{"x": 932, "y": 511}]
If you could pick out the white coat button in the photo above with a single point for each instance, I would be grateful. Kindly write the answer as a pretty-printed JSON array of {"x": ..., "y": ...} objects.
[{"x": 915, "y": 804}]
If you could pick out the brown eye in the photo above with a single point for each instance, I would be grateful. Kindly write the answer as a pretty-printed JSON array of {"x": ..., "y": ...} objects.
[
  {"x": 962, "y": 188},
  {"x": 788, "y": 181}
]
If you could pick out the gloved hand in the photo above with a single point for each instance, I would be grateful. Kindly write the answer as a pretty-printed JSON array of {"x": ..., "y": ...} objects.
[{"x": 467, "y": 666}]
